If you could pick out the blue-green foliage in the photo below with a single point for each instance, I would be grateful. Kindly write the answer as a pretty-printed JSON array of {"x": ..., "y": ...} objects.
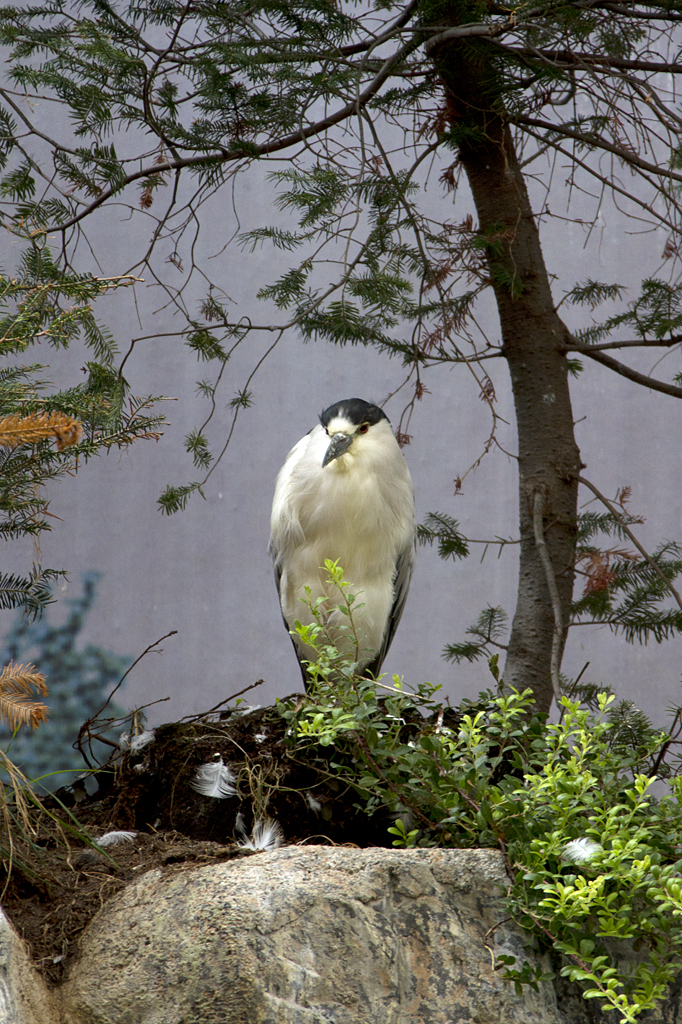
[{"x": 78, "y": 679}]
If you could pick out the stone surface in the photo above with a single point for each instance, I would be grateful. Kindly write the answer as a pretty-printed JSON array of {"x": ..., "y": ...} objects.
[
  {"x": 307, "y": 935},
  {"x": 24, "y": 998},
  {"x": 303, "y": 935}
]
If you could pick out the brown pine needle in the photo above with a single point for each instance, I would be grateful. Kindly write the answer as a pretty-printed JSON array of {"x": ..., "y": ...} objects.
[
  {"x": 16, "y": 684},
  {"x": 20, "y": 679},
  {"x": 37, "y": 426}
]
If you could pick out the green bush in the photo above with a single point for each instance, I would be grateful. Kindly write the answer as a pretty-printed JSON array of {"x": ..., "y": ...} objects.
[{"x": 593, "y": 857}]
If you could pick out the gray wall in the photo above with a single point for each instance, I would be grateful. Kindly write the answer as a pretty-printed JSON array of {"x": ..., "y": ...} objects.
[{"x": 205, "y": 571}]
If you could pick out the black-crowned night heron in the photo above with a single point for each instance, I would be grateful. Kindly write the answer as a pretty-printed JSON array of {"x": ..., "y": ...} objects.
[{"x": 345, "y": 493}]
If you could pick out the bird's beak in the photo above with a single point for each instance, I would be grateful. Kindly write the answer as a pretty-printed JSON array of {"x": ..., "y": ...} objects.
[{"x": 340, "y": 443}]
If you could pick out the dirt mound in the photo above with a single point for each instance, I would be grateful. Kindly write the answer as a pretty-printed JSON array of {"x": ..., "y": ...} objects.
[{"x": 151, "y": 793}]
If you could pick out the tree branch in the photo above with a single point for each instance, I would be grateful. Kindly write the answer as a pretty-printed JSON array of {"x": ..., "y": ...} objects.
[
  {"x": 641, "y": 343},
  {"x": 645, "y": 15},
  {"x": 635, "y": 375},
  {"x": 624, "y": 526},
  {"x": 572, "y": 58},
  {"x": 370, "y": 44},
  {"x": 609, "y": 182},
  {"x": 462, "y": 31},
  {"x": 596, "y": 142},
  {"x": 251, "y": 151},
  {"x": 34, "y": 131}
]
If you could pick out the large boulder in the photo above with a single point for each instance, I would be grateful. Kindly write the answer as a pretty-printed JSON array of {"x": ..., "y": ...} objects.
[
  {"x": 24, "y": 996},
  {"x": 308, "y": 935}
]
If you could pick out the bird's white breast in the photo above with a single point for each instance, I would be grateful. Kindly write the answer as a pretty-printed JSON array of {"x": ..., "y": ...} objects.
[
  {"x": 350, "y": 509},
  {"x": 358, "y": 510}
]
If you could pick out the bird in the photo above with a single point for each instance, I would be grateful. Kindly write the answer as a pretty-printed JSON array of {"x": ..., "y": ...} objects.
[{"x": 345, "y": 493}]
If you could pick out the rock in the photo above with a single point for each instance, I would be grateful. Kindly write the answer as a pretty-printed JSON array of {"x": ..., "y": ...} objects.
[
  {"x": 24, "y": 998},
  {"x": 302, "y": 935},
  {"x": 307, "y": 935}
]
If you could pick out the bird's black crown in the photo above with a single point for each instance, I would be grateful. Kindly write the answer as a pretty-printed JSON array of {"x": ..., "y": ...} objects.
[{"x": 355, "y": 410}]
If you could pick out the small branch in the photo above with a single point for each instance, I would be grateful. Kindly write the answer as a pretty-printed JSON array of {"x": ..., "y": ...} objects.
[
  {"x": 577, "y": 679},
  {"x": 635, "y": 375},
  {"x": 665, "y": 16},
  {"x": 492, "y": 543},
  {"x": 578, "y": 346},
  {"x": 418, "y": 813},
  {"x": 462, "y": 31},
  {"x": 606, "y": 181},
  {"x": 574, "y": 60},
  {"x": 371, "y": 44},
  {"x": 554, "y": 938},
  {"x": 557, "y": 639},
  {"x": 647, "y": 558},
  {"x": 211, "y": 711},
  {"x": 666, "y": 746},
  {"x": 93, "y": 718},
  {"x": 597, "y": 142},
  {"x": 476, "y": 807},
  {"x": 252, "y": 151}
]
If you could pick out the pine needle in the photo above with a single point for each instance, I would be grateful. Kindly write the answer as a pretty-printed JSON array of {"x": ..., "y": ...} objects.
[
  {"x": 17, "y": 429},
  {"x": 20, "y": 678},
  {"x": 17, "y": 683}
]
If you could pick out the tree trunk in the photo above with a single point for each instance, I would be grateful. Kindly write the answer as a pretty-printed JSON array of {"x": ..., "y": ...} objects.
[{"x": 532, "y": 336}]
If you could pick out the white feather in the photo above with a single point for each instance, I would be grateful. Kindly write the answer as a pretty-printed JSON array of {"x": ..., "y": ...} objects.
[
  {"x": 580, "y": 851},
  {"x": 214, "y": 779},
  {"x": 247, "y": 709},
  {"x": 116, "y": 838},
  {"x": 267, "y": 835},
  {"x": 141, "y": 740}
]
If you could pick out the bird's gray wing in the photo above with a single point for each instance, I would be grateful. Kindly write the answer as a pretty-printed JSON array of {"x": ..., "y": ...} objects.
[
  {"x": 277, "y": 566},
  {"x": 404, "y": 567}
]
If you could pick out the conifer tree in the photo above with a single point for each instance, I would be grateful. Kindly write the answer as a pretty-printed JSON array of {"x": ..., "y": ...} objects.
[
  {"x": 359, "y": 104},
  {"x": 47, "y": 432}
]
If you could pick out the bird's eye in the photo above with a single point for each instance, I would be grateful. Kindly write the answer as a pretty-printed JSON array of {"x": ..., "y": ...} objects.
[{"x": 363, "y": 428}]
